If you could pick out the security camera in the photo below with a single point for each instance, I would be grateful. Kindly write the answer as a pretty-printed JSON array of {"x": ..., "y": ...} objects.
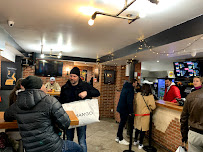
[{"x": 10, "y": 23}]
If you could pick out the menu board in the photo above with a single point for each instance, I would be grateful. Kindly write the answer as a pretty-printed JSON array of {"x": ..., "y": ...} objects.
[{"x": 186, "y": 69}]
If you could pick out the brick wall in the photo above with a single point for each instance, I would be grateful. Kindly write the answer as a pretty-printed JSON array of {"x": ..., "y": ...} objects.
[
  {"x": 120, "y": 78},
  {"x": 171, "y": 138},
  {"x": 138, "y": 70},
  {"x": 107, "y": 92}
]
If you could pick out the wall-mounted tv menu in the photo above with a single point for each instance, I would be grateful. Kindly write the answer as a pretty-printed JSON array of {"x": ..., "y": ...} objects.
[
  {"x": 187, "y": 69},
  {"x": 48, "y": 68}
]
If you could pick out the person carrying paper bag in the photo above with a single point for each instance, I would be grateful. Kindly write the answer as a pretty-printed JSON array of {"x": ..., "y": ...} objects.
[{"x": 74, "y": 90}]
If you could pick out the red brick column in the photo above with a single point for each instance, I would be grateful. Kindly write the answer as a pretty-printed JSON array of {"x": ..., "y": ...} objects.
[{"x": 107, "y": 92}]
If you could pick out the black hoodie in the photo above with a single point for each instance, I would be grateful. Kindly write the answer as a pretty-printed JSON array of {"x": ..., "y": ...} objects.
[{"x": 125, "y": 104}]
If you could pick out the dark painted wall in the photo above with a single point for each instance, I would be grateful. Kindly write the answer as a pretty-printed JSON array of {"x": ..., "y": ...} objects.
[
  {"x": 5, "y": 93},
  {"x": 4, "y": 99}
]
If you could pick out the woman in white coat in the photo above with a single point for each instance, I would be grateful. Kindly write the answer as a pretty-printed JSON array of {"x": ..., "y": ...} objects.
[{"x": 144, "y": 104}]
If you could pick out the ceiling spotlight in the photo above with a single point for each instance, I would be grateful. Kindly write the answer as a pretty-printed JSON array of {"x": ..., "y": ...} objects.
[
  {"x": 91, "y": 22},
  {"x": 60, "y": 53},
  {"x": 130, "y": 19},
  {"x": 94, "y": 15},
  {"x": 193, "y": 54},
  {"x": 142, "y": 14},
  {"x": 157, "y": 61},
  {"x": 154, "y": 1},
  {"x": 42, "y": 55}
]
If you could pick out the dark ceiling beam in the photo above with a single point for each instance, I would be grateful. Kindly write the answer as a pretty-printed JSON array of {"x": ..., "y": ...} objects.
[
  {"x": 182, "y": 31},
  {"x": 70, "y": 58}
]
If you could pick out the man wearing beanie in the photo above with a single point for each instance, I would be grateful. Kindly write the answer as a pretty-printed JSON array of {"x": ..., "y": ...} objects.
[
  {"x": 37, "y": 114},
  {"x": 75, "y": 89},
  {"x": 52, "y": 85}
]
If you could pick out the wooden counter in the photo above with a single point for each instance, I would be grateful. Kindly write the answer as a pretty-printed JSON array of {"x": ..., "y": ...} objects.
[
  {"x": 56, "y": 93},
  {"x": 12, "y": 125},
  {"x": 169, "y": 105}
]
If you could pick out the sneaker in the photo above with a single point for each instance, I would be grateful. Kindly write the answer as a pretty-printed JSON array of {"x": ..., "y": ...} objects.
[
  {"x": 140, "y": 146},
  {"x": 123, "y": 142},
  {"x": 136, "y": 143},
  {"x": 117, "y": 139}
]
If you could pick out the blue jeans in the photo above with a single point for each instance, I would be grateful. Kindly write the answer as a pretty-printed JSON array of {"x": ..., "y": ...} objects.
[
  {"x": 70, "y": 146},
  {"x": 81, "y": 133}
]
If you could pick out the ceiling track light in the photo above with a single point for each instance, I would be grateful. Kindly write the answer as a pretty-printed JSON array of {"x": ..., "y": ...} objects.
[
  {"x": 42, "y": 55},
  {"x": 50, "y": 54},
  {"x": 129, "y": 18}
]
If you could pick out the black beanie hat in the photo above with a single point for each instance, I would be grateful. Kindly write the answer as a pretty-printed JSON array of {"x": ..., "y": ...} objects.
[
  {"x": 32, "y": 82},
  {"x": 76, "y": 71}
]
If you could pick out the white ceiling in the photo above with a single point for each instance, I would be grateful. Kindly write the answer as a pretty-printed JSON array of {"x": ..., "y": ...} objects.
[{"x": 60, "y": 25}]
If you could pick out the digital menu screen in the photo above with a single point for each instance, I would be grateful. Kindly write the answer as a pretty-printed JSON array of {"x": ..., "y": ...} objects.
[{"x": 186, "y": 69}]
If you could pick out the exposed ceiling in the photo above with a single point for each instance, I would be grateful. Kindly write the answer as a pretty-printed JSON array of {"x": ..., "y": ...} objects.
[
  {"x": 61, "y": 25},
  {"x": 191, "y": 49}
]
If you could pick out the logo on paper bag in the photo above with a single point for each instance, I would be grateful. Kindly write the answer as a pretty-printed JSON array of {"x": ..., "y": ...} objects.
[{"x": 84, "y": 114}]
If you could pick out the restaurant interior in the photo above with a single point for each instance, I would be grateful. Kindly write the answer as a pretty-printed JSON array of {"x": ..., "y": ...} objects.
[{"x": 105, "y": 39}]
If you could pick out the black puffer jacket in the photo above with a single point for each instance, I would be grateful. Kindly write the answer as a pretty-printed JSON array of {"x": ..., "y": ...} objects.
[
  {"x": 37, "y": 114},
  {"x": 70, "y": 93}
]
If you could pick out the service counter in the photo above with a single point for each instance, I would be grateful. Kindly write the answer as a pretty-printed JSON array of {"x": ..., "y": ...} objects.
[{"x": 166, "y": 124}]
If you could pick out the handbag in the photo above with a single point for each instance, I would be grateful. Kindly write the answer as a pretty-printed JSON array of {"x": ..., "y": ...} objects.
[{"x": 87, "y": 111}]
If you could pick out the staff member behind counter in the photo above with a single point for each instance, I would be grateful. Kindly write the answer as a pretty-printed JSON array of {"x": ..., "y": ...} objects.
[
  {"x": 171, "y": 91},
  {"x": 52, "y": 85}
]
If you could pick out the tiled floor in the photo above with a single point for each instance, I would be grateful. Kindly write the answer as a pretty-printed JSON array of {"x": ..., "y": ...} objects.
[{"x": 101, "y": 138}]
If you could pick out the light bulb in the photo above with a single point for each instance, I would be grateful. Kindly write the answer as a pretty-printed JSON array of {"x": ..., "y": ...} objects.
[
  {"x": 142, "y": 14},
  {"x": 193, "y": 54},
  {"x": 91, "y": 22},
  {"x": 42, "y": 55}
]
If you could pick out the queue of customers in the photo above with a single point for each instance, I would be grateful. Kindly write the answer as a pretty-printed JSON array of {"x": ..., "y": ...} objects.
[
  {"x": 29, "y": 96},
  {"x": 144, "y": 103}
]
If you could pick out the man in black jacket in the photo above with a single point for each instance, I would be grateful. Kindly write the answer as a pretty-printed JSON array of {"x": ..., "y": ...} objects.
[
  {"x": 37, "y": 115},
  {"x": 75, "y": 89},
  {"x": 125, "y": 108}
]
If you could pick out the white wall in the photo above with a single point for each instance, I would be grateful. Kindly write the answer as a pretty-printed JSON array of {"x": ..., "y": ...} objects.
[
  {"x": 157, "y": 66},
  {"x": 9, "y": 52}
]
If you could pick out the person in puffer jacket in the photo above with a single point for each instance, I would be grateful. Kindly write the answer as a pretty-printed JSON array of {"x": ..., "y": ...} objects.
[{"x": 37, "y": 115}]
